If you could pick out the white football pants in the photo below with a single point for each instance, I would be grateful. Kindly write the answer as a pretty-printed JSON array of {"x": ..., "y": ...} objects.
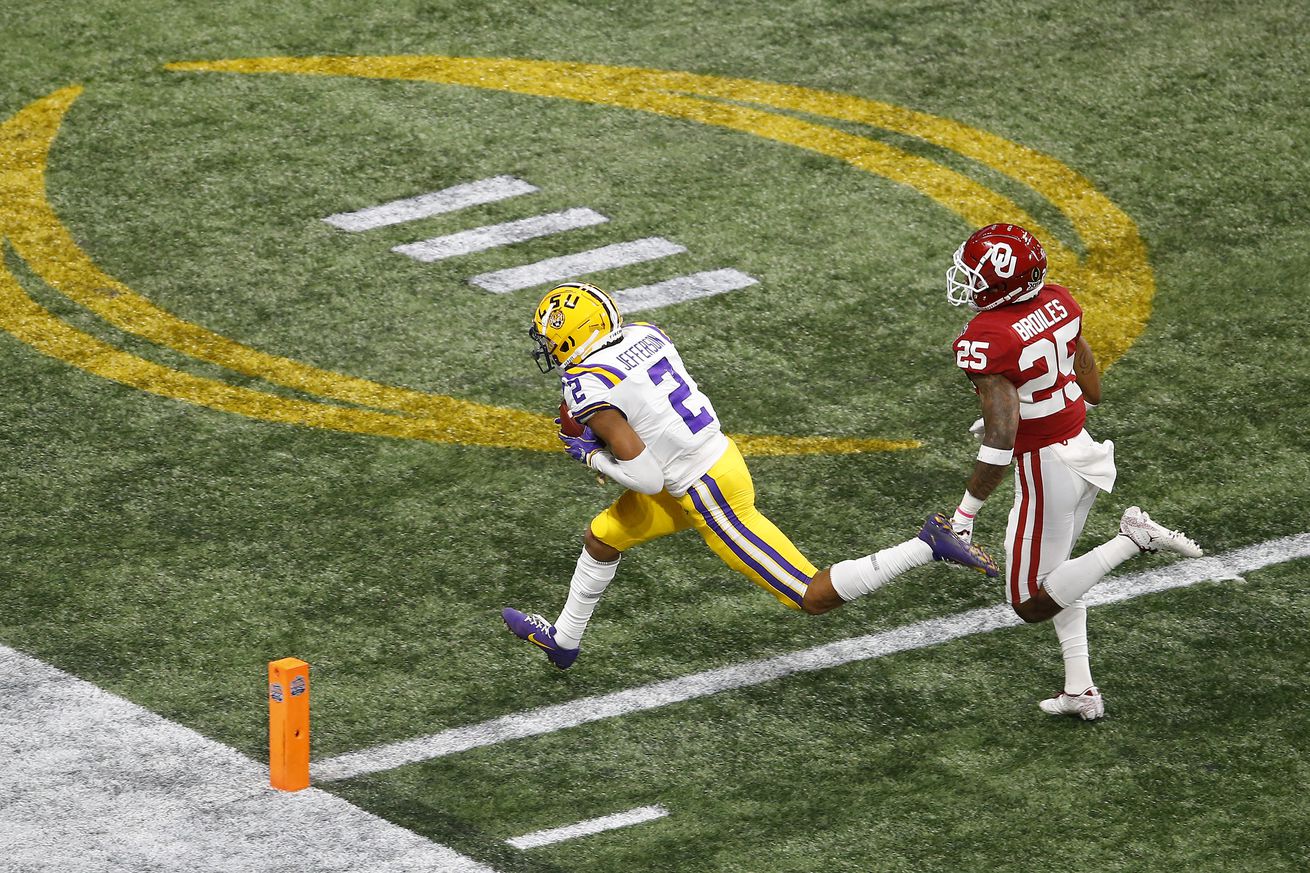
[{"x": 1051, "y": 502}]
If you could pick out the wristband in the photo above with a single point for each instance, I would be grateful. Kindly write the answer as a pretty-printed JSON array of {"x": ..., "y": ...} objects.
[
  {"x": 998, "y": 457},
  {"x": 969, "y": 505}
]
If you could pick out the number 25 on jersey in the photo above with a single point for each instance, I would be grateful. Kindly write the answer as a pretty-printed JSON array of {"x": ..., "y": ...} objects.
[
  {"x": 971, "y": 355},
  {"x": 1051, "y": 361},
  {"x": 1057, "y": 356}
]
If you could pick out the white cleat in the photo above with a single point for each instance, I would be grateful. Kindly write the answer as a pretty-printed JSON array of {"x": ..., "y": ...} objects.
[
  {"x": 1088, "y": 706},
  {"x": 1153, "y": 537}
]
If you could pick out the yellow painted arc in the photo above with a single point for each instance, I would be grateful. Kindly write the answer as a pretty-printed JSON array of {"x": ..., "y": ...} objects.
[
  {"x": 27, "y": 219},
  {"x": 36, "y": 326},
  {"x": 661, "y": 92},
  {"x": 758, "y": 446},
  {"x": 27, "y": 320},
  {"x": 1114, "y": 281},
  {"x": 38, "y": 235}
]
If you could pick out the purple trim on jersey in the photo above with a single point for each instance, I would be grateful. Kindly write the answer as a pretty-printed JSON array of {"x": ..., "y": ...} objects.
[
  {"x": 588, "y": 411},
  {"x": 737, "y": 550},
  {"x": 654, "y": 328},
  {"x": 751, "y": 535},
  {"x": 584, "y": 369}
]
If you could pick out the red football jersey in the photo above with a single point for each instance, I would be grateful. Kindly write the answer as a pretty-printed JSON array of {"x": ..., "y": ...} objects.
[{"x": 1032, "y": 344}]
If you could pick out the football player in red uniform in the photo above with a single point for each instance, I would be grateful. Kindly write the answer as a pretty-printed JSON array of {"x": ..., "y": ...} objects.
[{"x": 1035, "y": 376}]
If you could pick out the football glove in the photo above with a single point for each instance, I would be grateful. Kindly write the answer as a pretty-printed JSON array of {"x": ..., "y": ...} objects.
[
  {"x": 976, "y": 430},
  {"x": 582, "y": 448}
]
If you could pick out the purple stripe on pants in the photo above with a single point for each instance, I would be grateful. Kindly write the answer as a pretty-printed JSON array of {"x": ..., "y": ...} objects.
[{"x": 766, "y": 575}]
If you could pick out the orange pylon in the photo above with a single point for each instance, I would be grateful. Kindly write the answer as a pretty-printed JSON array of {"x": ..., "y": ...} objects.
[{"x": 288, "y": 724}]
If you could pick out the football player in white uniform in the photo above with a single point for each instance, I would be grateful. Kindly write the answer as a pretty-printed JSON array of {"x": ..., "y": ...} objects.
[
  {"x": 1035, "y": 376},
  {"x": 649, "y": 428}
]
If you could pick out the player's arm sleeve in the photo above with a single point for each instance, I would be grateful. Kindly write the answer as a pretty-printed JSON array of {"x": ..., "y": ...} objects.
[
  {"x": 642, "y": 473},
  {"x": 1000, "y": 406}
]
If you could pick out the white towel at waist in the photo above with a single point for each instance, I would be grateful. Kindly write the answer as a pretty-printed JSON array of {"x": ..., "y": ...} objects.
[{"x": 1091, "y": 460}]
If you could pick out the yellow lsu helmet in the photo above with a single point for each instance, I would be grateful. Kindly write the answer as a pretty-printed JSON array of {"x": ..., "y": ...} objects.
[{"x": 572, "y": 320}]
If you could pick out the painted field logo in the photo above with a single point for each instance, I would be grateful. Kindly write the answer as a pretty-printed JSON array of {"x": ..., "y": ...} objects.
[{"x": 1116, "y": 281}]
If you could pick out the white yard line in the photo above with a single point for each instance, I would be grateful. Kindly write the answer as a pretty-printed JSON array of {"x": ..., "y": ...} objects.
[
  {"x": 579, "y": 264},
  {"x": 681, "y": 289},
  {"x": 492, "y": 236},
  {"x": 590, "y": 826},
  {"x": 92, "y": 782},
  {"x": 446, "y": 200},
  {"x": 561, "y": 716}
]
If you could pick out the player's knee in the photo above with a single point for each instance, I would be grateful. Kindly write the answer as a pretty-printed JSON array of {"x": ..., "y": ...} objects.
[
  {"x": 1024, "y": 611},
  {"x": 1037, "y": 608},
  {"x": 599, "y": 549}
]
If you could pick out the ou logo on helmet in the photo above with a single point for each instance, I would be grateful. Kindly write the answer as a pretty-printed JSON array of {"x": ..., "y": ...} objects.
[{"x": 1002, "y": 258}]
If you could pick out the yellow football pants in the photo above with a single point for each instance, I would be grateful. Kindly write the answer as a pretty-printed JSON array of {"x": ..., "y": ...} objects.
[{"x": 721, "y": 507}]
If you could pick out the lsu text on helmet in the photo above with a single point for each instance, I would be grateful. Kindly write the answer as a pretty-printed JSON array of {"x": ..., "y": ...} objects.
[
  {"x": 572, "y": 320},
  {"x": 999, "y": 264}
]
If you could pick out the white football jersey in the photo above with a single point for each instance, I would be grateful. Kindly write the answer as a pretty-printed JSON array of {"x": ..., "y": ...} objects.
[{"x": 642, "y": 376}]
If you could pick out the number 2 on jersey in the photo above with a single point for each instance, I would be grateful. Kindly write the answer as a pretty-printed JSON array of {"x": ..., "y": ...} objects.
[{"x": 695, "y": 421}]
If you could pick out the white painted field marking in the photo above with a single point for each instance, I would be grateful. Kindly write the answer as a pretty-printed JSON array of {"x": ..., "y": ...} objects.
[
  {"x": 91, "y": 782},
  {"x": 579, "y": 264},
  {"x": 681, "y": 289},
  {"x": 494, "y": 235},
  {"x": 446, "y": 200},
  {"x": 588, "y": 827},
  {"x": 549, "y": 719}
]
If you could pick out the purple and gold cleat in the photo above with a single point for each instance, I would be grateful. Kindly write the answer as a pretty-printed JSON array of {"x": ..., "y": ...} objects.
[
  {"x": 541, "y": 633},
  {"x": 949, "y": 546}
]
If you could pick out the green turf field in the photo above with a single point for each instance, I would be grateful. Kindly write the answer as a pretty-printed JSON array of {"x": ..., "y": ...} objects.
[{"x": 166, "y": 550}]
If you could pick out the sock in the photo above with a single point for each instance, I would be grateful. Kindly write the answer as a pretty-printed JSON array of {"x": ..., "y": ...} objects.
[
  {"x": 1071, "y": 629},
  {"x": 852, "y": 579},
  {"x": 1072, "y": 579},
  {"x": 590, "y": 578}
]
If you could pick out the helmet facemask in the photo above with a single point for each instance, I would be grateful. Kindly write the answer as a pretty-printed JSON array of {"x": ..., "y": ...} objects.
[
  {"x": 963, "y": 281},
  {"x": 541, "y": 351}
]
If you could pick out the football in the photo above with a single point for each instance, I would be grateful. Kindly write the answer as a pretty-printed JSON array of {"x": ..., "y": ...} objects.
[{"x": 568, "y": 425}]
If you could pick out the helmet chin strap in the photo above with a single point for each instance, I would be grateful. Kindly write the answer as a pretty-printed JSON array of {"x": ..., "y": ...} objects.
[
  {"x": 997, "y": 304},
  {"x": 583, "y": 349}
]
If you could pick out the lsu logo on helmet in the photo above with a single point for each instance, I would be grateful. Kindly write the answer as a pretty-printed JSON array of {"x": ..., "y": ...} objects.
[{"x": 572, "y": 321}]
